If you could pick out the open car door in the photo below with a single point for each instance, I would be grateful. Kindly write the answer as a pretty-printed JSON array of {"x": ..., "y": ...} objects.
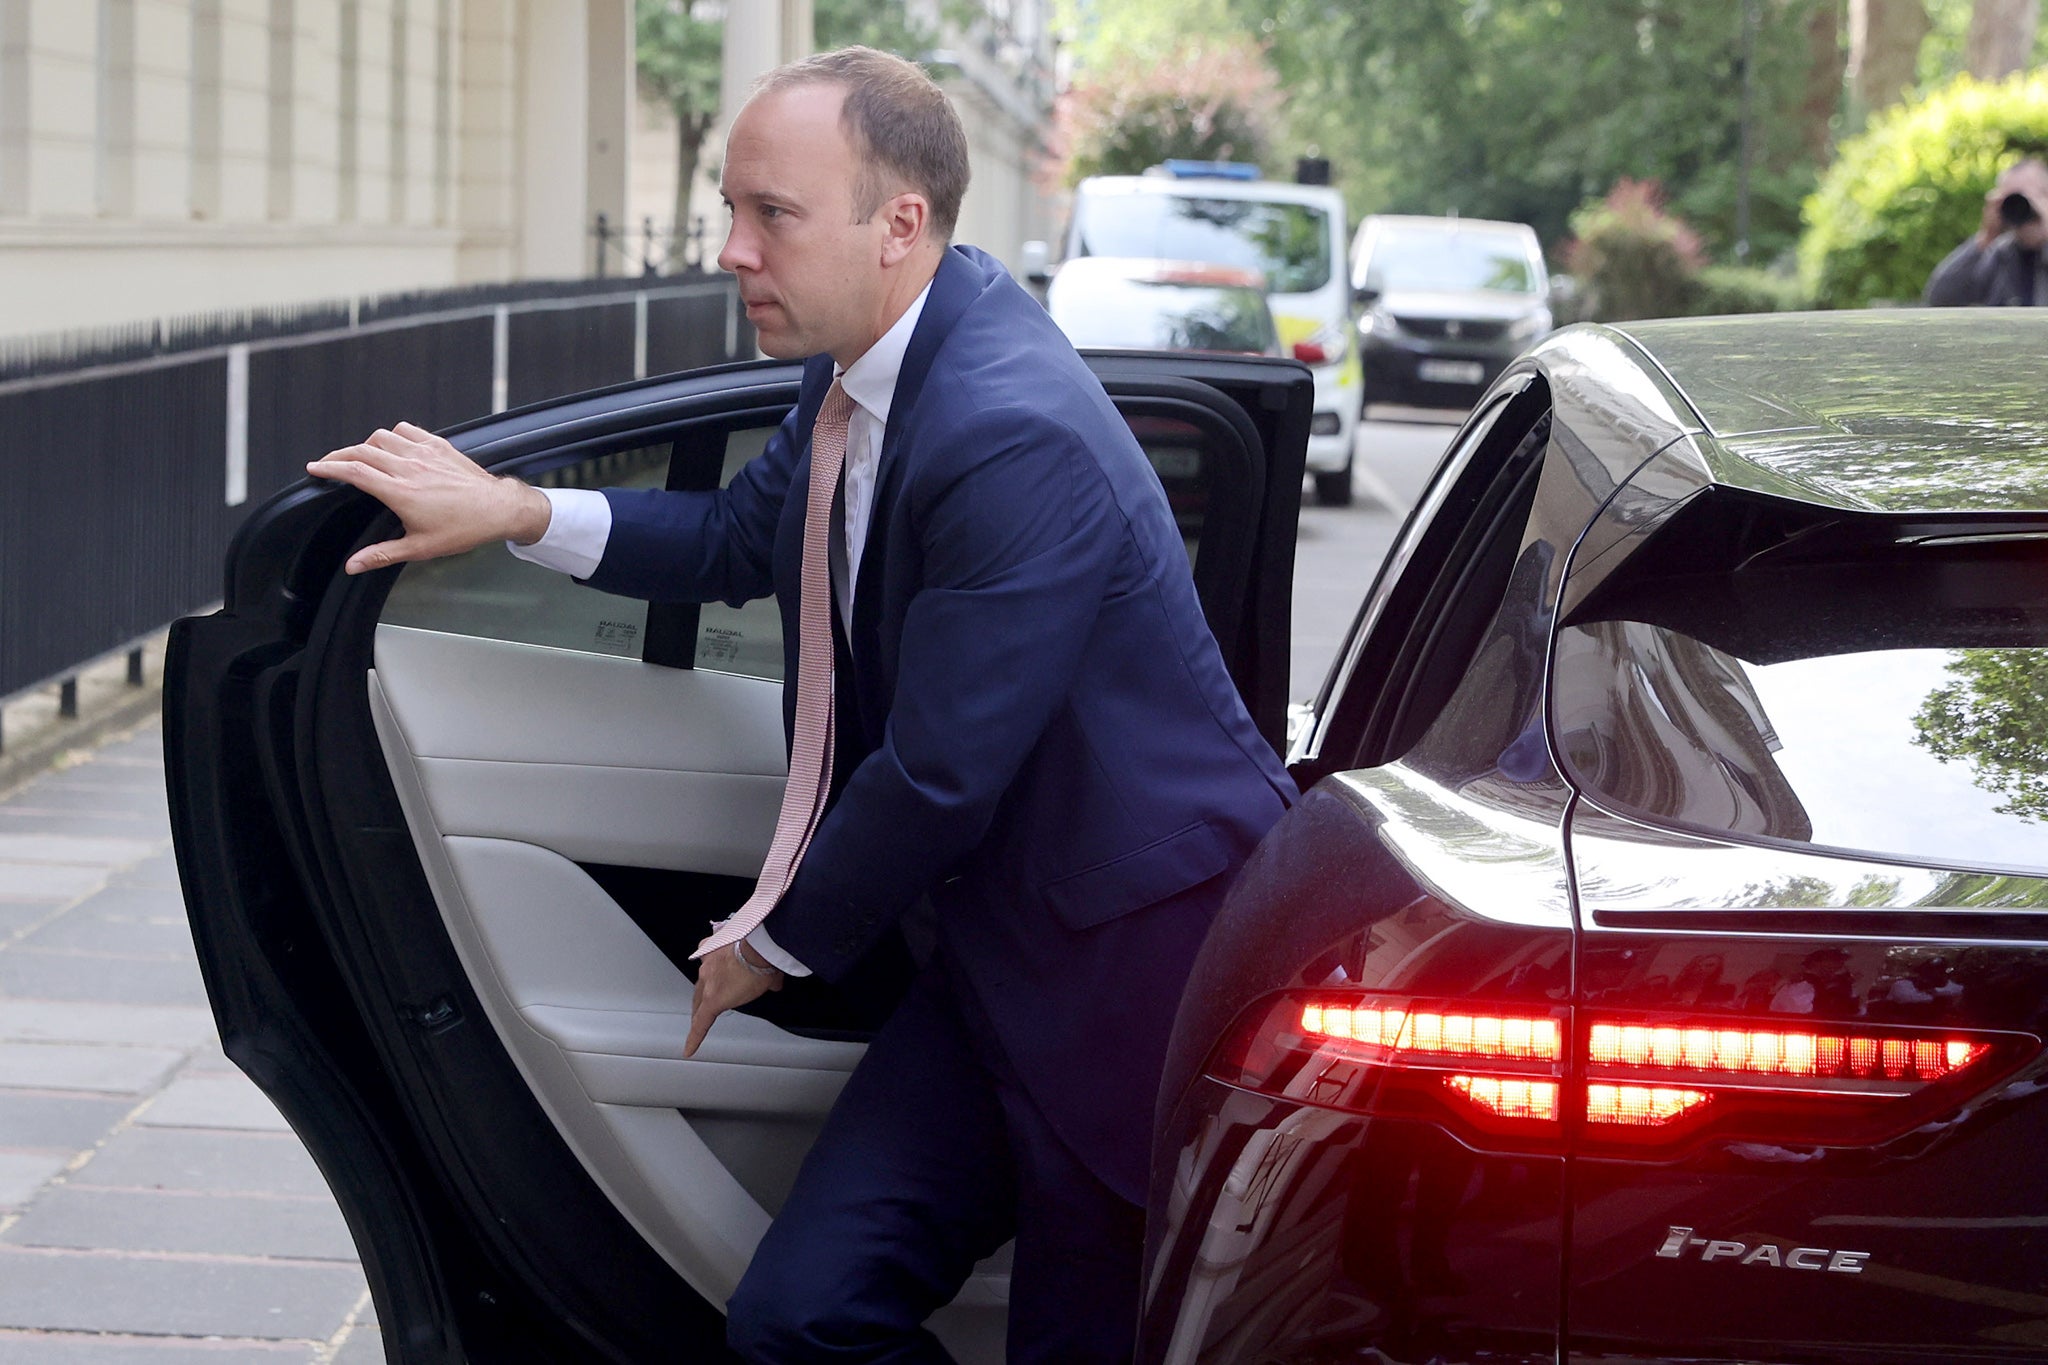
[{"x": 448, "y": 834}]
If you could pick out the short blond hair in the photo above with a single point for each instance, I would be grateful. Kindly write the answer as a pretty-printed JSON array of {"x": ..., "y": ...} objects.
[{"x": 903, "y": 128}]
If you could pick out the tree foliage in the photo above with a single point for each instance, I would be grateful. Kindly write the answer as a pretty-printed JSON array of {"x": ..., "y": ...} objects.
[
  {"x": 679, "y": 50},
  {"x": 1524, "y": 109},
  {"x": 1904, "y": 192},
  {"x": 1994, "y": 716},
  {"x": 1209, "y": 99}
]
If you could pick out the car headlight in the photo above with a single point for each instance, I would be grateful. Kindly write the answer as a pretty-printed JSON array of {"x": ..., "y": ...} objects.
[
  {"x": 1378, "y": 320},
  {"x": 1530, "y": 325}
]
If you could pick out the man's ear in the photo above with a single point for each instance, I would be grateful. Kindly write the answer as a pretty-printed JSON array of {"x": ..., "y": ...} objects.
[{"x": 906, "y": 220}]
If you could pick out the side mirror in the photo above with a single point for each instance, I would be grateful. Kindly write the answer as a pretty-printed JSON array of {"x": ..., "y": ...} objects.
[{"x": 1035, "y": 257}]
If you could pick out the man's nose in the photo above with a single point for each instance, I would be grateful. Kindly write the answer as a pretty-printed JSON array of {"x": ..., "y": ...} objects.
[{"x": 736, "y": 253}]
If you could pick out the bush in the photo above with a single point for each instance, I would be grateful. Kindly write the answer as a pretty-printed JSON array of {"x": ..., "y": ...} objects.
[
  {"x": 1744, "y": 289},
  {"x": 1206, "y": 101},
  {"x": 1901, "y": 195},
  {"x": 1632, "y": 259}
]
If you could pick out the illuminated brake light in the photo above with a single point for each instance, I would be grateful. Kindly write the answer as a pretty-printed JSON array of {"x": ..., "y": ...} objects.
[
  {"x": 1778, "y": 1052},
  {"x": 1640, "y": 1106},
  {"x": 1431, "y": 1033},
  {"x": 1509, "y": 1098}
]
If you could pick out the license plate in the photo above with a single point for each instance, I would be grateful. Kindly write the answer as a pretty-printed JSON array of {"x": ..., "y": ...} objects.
[{"x": 1450, "y": 371}]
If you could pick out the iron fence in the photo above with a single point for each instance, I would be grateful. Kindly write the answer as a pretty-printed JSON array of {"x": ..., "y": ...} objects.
[{"x": 128, "y": 461}]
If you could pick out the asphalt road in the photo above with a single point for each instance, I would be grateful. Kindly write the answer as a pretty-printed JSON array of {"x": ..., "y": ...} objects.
[{"x": 1340, "y": 548}]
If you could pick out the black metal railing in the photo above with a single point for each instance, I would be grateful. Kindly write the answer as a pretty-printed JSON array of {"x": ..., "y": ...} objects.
[{"x": 127, "y": 460}]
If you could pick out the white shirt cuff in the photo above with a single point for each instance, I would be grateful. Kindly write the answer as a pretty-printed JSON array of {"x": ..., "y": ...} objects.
[
  {"x": 765, "y": 949},
  {"x": 579, "y": 525}
]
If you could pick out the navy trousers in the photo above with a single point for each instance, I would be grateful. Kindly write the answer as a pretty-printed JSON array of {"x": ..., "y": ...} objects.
[{"x": 933, "y": 1157}]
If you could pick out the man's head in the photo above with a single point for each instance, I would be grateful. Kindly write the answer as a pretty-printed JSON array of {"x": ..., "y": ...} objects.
[{"x": 844, "y": 173}]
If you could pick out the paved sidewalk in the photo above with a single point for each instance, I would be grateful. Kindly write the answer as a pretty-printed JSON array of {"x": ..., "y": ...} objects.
[{"x": 154, "y": 1207}]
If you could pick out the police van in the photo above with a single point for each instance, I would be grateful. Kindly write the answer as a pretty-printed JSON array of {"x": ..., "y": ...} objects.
[{"x": 1295, "y": 235}]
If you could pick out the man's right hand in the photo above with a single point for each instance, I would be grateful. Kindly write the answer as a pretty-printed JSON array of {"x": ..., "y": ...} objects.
[{"x": 447, "y": 502}]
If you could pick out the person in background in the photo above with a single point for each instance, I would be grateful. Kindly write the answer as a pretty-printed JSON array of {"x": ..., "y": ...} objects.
[{"x": 2001, "y": 264}]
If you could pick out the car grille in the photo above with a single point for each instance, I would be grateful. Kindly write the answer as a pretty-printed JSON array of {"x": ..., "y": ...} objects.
[{"x": 1453, "y": 329}]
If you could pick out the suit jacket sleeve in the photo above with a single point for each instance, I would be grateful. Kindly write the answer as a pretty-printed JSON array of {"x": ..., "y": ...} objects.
[
  {"x": 668, "y": 546},
  {"x": 1020, "y": 538}
]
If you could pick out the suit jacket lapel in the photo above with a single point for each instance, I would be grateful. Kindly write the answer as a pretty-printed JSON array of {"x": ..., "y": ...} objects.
[{"x": 958, "y": 283}]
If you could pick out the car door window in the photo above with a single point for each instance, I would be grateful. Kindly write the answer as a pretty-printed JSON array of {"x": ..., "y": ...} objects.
[
  {"x": 493, "y": 595},
  {"x": 1438, "y": 589}
]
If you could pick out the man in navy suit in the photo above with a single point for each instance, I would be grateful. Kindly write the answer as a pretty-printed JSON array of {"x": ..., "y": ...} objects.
[{"x": 1035, "y": 730}]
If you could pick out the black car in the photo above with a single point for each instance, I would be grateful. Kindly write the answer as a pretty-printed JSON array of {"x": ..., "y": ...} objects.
[
  {"x": 1659, "y": 968},
  {"x": 1656, "y": 970}
]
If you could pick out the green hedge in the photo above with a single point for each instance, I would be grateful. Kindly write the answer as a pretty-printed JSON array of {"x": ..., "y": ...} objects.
[
  {"x": 1744, "y": 289},
  {"x": 1902, "y": 194}
]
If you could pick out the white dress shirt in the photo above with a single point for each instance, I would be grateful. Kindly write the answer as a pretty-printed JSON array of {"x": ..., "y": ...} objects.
[{"x": 580, "y": 522}]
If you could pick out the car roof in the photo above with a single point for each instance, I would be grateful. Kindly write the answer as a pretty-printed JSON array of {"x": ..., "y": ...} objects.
[
  {"x": 1208, "y": 187},
  {"x": 1895, "y": 410},
  {"x": 1416, "y": 220}
]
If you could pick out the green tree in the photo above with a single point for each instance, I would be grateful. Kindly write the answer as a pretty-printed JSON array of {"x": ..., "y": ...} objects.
[
  {"x": 1994, "y": 716},
  {"x": 1209, "y": 100},
  {"x": 1902, "y": 193},
  {"x": 1524, "y": 109},
  {"x": 679, "y": 49}
]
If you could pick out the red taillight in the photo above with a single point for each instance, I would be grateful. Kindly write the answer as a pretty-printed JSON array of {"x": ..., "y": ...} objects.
[
  {"x": 1311, "y": 353},
  {"x": 1644, "y": 1082}
]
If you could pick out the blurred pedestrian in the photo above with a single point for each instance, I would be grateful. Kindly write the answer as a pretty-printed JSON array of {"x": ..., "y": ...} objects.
[{"x": 2001, "y": 264}]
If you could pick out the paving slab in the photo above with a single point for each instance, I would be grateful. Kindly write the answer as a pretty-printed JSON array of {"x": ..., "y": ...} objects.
[
  {"x": 47, "y": 881},
  {"x": 193, "y": 1159},
  {"x": 24, "y": 1173},
  {"x": 94, "y": 798},
  {"x": 158, "y": 870},
  {"x": 85, "y": 1021},
  {"x": 214, "y": 1102},
  {"x": 19, "y": 916},
  {"x": 59, "y": 1121},
  {"x": 33, "y": 975},
  {"x": 84, "y": 929},
  {"x": 291, "y": 1227},
  {"x": 191, "y": 1296},
  {"x": 89, "y": 850},
  {"x": 364, "y": 1346},
  {"x": 106, "y": 1069},
  {"x": 70, "y": 1348},
  {"x": 83, "y": 824}
]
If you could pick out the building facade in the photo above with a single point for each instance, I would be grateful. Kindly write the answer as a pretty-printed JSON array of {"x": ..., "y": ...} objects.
[
  {"x": 995, "y": 59},
  {"x": 162, "y": 157}
]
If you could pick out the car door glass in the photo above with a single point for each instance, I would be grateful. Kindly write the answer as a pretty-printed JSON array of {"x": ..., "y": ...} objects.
[
  {"x": 1439, "y": 587},
  {"x": 491, "y": 593},
  {"x": 746, "y": 639}
]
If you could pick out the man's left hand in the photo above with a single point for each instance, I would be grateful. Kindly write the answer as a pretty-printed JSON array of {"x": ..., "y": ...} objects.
[{"x": 724, "y": 983}]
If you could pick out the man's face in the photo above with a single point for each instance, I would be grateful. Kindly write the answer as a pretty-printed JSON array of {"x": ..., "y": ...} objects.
[{"x": 811, "y": 277}]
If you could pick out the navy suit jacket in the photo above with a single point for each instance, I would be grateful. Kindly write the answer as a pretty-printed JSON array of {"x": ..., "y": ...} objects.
[{"x": 1037, "y": 729}]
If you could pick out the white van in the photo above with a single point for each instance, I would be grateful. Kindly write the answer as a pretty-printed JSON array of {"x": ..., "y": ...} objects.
[{"x": 1294, "y": 235}]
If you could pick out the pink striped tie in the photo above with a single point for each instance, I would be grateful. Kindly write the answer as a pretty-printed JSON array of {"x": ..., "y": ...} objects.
[{"x": 810, "y": 753}]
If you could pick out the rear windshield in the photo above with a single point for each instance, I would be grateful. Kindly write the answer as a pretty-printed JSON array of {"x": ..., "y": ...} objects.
[
  {"x": 1452, "y": 261},
  {"x": 1893, "y": 702},
  {"x": 1288, "y": 243},
  {"x": 1149, "y": 315}
]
